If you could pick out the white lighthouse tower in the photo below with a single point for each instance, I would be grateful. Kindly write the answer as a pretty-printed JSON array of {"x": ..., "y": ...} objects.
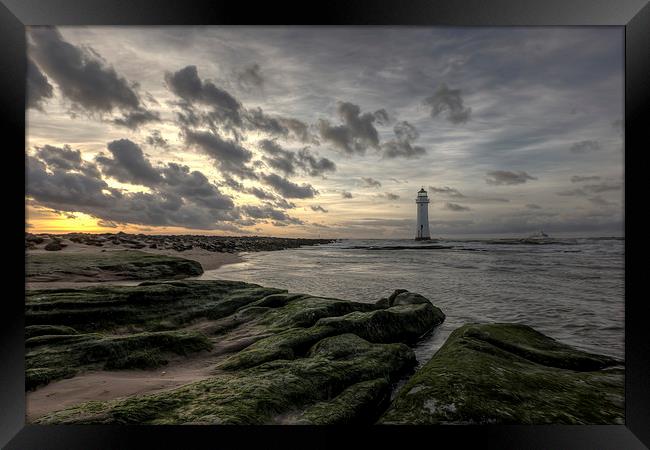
[{"x": 422, "y": 202}]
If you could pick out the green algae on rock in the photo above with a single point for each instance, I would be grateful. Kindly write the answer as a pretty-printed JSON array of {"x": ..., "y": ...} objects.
[
  {"x": 60, "y": 356},
  {"x": 281, "y": 358},
  {"x": 109, "y": 265},
  {"x": 265, "y": 394},
  {"x": 510, "y": 374}
]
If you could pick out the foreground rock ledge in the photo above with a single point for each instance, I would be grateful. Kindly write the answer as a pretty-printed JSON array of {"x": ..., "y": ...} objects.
[
  {"x": 108, "y": 266},
  {"x": 510, "y": 374},
  {"x": 282, "y": 358}
]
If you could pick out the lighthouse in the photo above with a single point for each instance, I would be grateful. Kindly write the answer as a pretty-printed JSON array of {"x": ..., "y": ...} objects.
[{"x": 422, "y": 202}]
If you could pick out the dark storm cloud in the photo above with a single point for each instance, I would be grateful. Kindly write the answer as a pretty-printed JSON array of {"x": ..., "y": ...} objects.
[
  {"x": 501, "y": 177},
  {"x": 268, "y": 212},
  {"x": 456, "y": 207},
  {"x": 228, "y": 156},
  {"x": 585, "y": 146},
  {"x": 279, "y": 158},
  {"x": 155, "y": 139},
  {"x": 445, "y": 190},
  {"x": 60, "y": 158},
  {"x": 281, "y": 203},
  {"x": 128, "y": 164},
  {"x": 404, "y": 131},
  {"x": 64, "y": 190},
  {"x": 257, "y": 120},
  {"x": 288, "y": 189},
  {"x": 449, "y": 102},
  {"x": 66, "y": 158},
  {"x": 195, "y": 186},
  {"x": 370, "y": 182},
  {"x": 288, "y": 161},
  {"x": 179, "y": 197},
  {"x": 580, "y": 179},
  {"x": 314, "y": 165},
  {"x": 134, "y": 119},
  {"x": 226, "y": 110},
  {"x": 317, "y": 208},
  {"x": 39, "y": 90},
  {"x": 401, "y": 147},
  {"x": 250, "y": 78},
  {"x": 82, "y": 77},
  {"x": 396, "y": 149},
  {"x": 257, "y": 192},
  {"x": 355, "y": 134},
  {"x": 346, "y": 194},
  {"x": 298, "y": 129},
  {"x": 533, "y": 206},
  {"x": 260, "y": 193},
  {"x": 382, "y": 117},
  {"x": 186, "y": 84}
]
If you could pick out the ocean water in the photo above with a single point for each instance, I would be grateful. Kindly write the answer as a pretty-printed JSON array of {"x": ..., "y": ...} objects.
[{"x": 569, "y": 289}]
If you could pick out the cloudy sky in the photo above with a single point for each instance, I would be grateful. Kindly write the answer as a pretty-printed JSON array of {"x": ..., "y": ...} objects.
[{"x": 331, "y": 131}]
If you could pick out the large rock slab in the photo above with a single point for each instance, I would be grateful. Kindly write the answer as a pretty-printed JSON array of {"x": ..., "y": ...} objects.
[
  {"x": 510, "y": 374},
  {"x": 107, "y": 266},
  {"x": 275, "y": 392},
  {"x": 276, "y": 357}
]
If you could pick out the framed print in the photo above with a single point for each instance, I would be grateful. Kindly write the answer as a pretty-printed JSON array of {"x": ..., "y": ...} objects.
[{"x": 360, "y": 224}]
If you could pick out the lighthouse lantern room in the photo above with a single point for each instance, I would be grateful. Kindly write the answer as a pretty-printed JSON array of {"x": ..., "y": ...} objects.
[{"x": 422, "y": 202}]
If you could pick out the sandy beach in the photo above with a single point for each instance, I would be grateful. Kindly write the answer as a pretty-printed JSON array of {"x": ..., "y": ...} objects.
[{"x": 209, "y": 260}]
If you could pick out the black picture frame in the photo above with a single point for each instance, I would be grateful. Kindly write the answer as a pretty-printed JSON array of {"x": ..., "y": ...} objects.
[{"x": 633, "y": 15}]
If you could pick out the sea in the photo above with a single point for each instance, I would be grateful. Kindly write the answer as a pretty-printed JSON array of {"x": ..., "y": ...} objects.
[{"x": 571, "y": 289}]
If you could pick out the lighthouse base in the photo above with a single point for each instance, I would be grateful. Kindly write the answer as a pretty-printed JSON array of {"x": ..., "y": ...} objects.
[{"x": 422, "y": 238}]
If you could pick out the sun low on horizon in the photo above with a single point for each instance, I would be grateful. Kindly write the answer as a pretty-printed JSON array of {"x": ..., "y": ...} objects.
[{"x": 309, "y": 132}]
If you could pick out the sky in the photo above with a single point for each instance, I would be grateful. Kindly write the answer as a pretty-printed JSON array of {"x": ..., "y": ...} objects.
[{"x": 325, "y": 131}]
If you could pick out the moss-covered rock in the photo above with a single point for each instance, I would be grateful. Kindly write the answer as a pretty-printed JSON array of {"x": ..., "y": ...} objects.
[
  {"x": 329, "y": 385},
  {"x": 404, "y": 322},
  {"x": 42, "y": 330},
  {"x": 51, "y": 357},
  {"x": 361, "y": 403},
  {"x": 105, "y": 266},
  {"x": 150, "y": 306},
  {"x": 280, "y": 357},
  {"x": 510, "y": 374}
]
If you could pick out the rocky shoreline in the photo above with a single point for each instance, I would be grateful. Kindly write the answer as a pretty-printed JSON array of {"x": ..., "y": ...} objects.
[
  {"x": 179, "y": 243},
  {"x": 227, "y": 352},
  {"x": 271, "y": 357},
  {"x": 275, "y": 357}
]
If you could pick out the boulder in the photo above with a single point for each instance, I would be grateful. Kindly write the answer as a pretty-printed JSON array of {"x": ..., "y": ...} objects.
[
  {"x": 510, "y": 374},
  {"x": 54, "y": 246}
]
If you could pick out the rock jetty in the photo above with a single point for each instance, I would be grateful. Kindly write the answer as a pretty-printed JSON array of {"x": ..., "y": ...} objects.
[{"x": 179, "y": 243}]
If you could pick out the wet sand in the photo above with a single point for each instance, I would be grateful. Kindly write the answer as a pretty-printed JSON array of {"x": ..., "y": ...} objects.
[{"x": 108, "y": 385}]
